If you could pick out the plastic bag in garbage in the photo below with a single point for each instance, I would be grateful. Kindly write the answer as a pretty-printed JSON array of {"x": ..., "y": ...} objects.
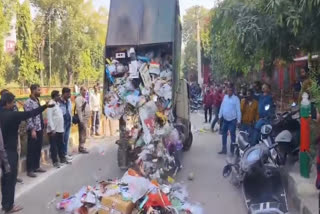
[
  {"x": 133, "y": 98},
  {"x": 166, "y": 74},
  {"x": 163, "y": 89},
  {"x": 114, "y": 112},
  {"x": 133, "y": 70},
  {"x": 112, "y": 68},
  {"x": 69, "y": 205},
  {"x": 147, "y": 117},
  {"x": 180, "y": 192},
  {"x": 138, "y": 186},
  {"x": 193, "y": 208}
]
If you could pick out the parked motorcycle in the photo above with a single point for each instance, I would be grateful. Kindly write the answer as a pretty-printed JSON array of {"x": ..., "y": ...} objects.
[
  {"x": 196, "y": 103},
  {"x": 255, "y": 169},
  {"x": 286, "y": 132}
]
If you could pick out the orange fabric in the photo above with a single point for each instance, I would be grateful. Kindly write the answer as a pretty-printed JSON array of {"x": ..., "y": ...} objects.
[
  {"x": 249, "y": 113},
  {"x": 305, "y": 135},
  {"x": 132, "y": 172}
]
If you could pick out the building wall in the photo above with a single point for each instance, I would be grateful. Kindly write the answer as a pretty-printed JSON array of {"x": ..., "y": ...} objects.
[{"x": 11, "y": 38}]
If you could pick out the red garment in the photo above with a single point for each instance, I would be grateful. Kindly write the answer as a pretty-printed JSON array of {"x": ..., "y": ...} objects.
[
  {"x": 208, "y": 99},
  {"x": 157, "y": 200},
  {"x": 217, "y": 99}
]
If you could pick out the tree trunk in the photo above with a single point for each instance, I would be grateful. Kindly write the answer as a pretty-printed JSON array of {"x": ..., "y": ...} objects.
[
  {"x": 69, "y": 75},
  {"x": 310, "y": 67}
]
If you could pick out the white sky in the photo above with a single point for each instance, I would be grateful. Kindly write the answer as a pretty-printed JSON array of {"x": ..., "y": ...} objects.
[{"x": 184, "y": 4}]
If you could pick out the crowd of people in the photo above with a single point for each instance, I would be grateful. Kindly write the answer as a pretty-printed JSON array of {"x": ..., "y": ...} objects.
[
  {"x": 232, "y": 109},
  {"x": 58, "y": 127}
]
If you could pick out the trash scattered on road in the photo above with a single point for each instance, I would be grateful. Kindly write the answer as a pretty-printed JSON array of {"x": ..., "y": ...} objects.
[
  {"x": 191, "y": 176},
  {"x": 133, "y": 193}
]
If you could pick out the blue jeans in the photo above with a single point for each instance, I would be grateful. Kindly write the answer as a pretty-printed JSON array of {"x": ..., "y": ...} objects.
[
  {"x": 230, "y": 126},
  {"x": 249, "y": 129},
  {"x": 67, "y": 129}
]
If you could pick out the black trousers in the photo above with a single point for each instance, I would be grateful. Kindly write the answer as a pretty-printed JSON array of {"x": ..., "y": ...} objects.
[
  {"x": 57, "y": 147},
  {"x": 34, "y": 151},
  {"x": 216, "y": 118},
  {"x": 206, "y": 110},
  {"x": 8, "y": 182}
]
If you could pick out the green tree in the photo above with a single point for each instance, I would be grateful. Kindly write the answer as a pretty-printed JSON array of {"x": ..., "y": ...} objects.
[
  {"x": 28, "y": 66},
  {"x": 7, "y": 9},
  {"x": 77, "y": 32}
]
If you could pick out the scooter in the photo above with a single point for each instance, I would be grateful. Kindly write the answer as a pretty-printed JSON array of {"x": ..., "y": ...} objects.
[
  {"x": 254, "y": 168},
  {"x": 196, "y": 103},
  {"x": 286, "y": 132}
]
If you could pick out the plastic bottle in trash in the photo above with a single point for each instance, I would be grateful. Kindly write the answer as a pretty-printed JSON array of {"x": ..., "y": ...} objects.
[{"x": 305, "y": 108}]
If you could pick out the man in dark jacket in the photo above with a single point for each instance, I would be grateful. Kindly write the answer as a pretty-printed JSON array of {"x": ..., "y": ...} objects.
[
  {"x": 5, "y": 91},
  {"x": 217, "y": 100},
  {"x": 208, "y": 102},
  {"x": 10, "y": 121}
]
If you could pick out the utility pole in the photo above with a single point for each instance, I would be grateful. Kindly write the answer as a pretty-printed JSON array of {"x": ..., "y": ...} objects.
[
  {"x": 200, "y": 80},
  {"x": 50, "y": 57}
]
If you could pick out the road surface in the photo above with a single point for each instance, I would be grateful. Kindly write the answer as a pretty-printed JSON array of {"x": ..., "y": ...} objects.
[{"x": 209, "y": 188}]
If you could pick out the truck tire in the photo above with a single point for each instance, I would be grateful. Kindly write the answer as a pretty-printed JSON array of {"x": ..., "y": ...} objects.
[
  {"x": 123, "y": 159},
  {"x": 188, "y": 143}
]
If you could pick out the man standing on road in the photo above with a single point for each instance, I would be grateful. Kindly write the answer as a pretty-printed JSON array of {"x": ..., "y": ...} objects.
[
  {"x": 83, "y": 111},
  {"x": 4, "y": 91},
  {"x": 207, "y": 102},
  {"x": 95, "y": 105},
  {"x": 35, "y": 127},
  {"x": 55, "y": 130},
  {"x": 66, "y": 108},
  {"x": 249, "y": 112},
  {"x": 231, "y": 114},
  {"x": 217, "y": 100},
  {"x": 10, "y": 121}
]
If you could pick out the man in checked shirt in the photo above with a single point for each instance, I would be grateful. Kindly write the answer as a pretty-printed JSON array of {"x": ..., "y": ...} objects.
[{"x": 35, "y": 128}]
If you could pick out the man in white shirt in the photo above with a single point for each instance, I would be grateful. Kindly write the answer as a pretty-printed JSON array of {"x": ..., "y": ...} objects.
[
  {"x": 83, "y": 111},
  {"x": 55, "y": 130},
  {"x": 230, "y": 112},
  {"x": 95, "y": 99}
]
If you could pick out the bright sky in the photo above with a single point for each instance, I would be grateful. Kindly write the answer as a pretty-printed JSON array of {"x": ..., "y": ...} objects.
[{"x": 184, "y": 4}]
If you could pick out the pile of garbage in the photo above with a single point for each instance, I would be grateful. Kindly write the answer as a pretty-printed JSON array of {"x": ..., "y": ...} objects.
[
  {"x": 133, "y": 193},
  {"x": 140, "y": 93},
  {"x": 141, "y": 89}
]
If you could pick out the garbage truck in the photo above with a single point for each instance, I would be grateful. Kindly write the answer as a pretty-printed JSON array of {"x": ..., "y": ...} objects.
[{"x": 143, "y": 45}]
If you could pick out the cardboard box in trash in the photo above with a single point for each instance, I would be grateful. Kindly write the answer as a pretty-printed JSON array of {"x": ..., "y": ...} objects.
[{"x": 116, "y": 205}]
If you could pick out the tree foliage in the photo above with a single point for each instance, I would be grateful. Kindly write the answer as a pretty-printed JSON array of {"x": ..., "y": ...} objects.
[
  {"x": 77, "y": 37},
  {"x": 7, "y": 10},
  {"x": 27, "y": 65},
  {"x": 245, "y": 33},
  {"x": 73, "y": 31}
]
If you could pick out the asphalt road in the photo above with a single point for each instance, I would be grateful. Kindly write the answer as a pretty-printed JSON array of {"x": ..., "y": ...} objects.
[{"x": 209, "y": 188}]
